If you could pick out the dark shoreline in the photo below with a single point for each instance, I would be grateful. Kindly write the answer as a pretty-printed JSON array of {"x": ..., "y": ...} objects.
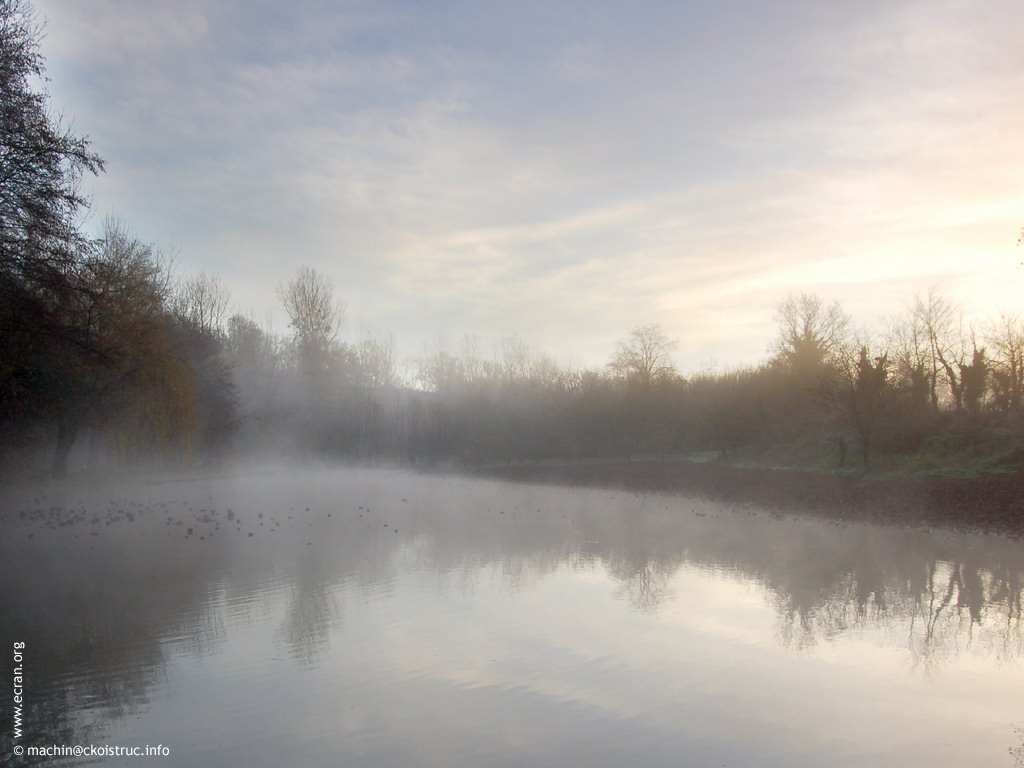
[{"x": 992, "y": 503}]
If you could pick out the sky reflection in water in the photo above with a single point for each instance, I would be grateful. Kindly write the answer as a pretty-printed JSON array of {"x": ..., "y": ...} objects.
[{"x": 406, "y": 619}]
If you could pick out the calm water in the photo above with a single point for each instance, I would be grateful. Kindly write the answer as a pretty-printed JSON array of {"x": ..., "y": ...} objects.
[{"x": 385, "y": 618}]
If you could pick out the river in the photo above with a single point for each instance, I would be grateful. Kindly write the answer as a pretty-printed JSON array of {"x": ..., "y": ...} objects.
[{"x": 389, "y": 618}]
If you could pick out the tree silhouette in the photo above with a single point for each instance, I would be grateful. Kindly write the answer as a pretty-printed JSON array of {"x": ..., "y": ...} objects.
[
  {"x": 41, "y": 162},
  {"x": 314, "y": 316},
  {"x": 645, "y": 356}
]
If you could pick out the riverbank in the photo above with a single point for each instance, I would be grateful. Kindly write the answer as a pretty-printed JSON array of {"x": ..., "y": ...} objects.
[{"x": 992, "y": 503}]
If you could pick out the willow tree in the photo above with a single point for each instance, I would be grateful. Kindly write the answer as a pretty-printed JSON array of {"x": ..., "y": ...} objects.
[{"x": 128, "y": 377}]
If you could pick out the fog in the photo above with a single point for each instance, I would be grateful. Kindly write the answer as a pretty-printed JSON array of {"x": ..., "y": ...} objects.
[
  {"x": 144, "y": 369},
  {"x": 243, "y": 546},
  {"x": 382, "y": 581}
]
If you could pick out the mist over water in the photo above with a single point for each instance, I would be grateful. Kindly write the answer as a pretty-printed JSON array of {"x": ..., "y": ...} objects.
[
  {"x": 344, "y": 617},
  {"x": 616, "y": 223}
]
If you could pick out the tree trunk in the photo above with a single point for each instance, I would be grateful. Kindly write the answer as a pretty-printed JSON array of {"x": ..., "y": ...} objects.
[{"x": 67, "y": 433}]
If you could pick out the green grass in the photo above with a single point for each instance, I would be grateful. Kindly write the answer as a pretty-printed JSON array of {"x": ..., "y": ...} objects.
[
  {"x": 959, "y": 452},
  {"x": 954, "y": 455}
]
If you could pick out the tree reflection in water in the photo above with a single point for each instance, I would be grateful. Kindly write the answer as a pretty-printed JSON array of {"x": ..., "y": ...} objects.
[
  {"x": 944, "y": 610},
  {"x": 106, "y": 601}
]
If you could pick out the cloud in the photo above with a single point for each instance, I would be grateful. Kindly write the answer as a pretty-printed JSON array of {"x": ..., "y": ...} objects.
[
  {"x": 562, "y": 174},
  {"x": 111, "y": 31}
]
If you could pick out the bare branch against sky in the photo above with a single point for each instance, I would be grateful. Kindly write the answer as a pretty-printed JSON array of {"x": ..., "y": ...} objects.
[{"x": 563, "y": 172}]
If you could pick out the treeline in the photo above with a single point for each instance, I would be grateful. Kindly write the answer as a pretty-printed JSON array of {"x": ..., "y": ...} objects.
[
  {"x": 826, "y": 389},
  {"x": 107, "y": 355},
  {"x": 172, "y": 378},
  {"x": 96, "y": 338}
]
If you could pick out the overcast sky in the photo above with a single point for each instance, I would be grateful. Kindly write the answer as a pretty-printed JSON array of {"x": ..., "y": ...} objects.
[{"x": 562, "y": 171}]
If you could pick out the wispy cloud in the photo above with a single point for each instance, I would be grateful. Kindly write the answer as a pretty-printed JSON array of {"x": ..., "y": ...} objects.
[{"x": 560, "y": 171}]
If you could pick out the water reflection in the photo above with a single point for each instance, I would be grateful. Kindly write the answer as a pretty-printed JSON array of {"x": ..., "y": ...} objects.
[{"x": 389, "y": 606}]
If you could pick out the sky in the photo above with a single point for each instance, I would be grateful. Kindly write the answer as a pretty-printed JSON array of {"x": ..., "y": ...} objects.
[{"x": 561, "y": 172}]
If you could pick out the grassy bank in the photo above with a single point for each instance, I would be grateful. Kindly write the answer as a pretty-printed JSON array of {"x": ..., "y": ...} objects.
[{"x": 988, "y": 497}]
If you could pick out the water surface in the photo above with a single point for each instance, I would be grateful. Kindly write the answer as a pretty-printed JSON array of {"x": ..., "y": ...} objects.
[{"x": 385, "y": 618}]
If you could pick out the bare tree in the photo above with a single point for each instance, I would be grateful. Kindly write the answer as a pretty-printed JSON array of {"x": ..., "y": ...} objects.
[
  {"x": 810, "y": 333},
  {"x": 645, "y": 356},
  {"x": 202, "y": 302},
  {"x": 516, "y": 359},
  {"x": 314, "y": 316},
  {"x": 255, "y": 357},
  {"x": 911, "y": 357},
  {"x": 375, "y": 361},
  {"x": 939, "y": 319},
  {"x": 1005, "y": 338},
  {"x": 546, "y": 373},
  {"x": 441, "y": 371},
  {"x": 471, "y": 362}
]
